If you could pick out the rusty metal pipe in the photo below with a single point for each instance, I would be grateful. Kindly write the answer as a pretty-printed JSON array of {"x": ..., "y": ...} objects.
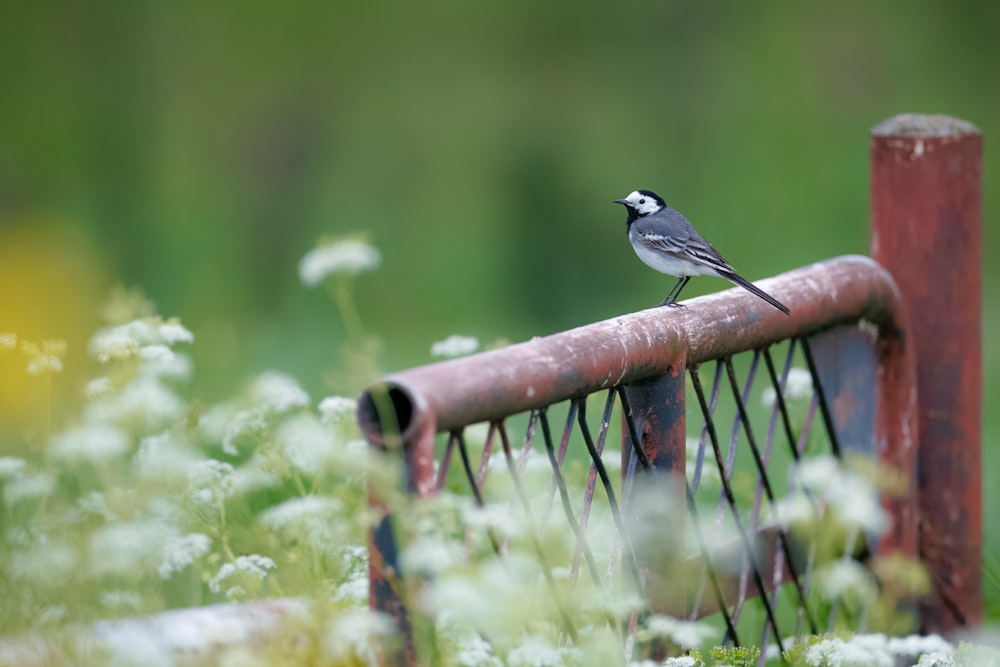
[
  {"x": 926, "y": 185},
  {"x": 492, "y": 385}
]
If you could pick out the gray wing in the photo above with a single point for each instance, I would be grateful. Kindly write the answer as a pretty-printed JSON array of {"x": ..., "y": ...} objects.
[{"x": 669, "y": 232}]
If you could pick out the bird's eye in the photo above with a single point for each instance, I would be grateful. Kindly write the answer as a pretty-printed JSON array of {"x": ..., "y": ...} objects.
[{"x": 642, "y": 201}]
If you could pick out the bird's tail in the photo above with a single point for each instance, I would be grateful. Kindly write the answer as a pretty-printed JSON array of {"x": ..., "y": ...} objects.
[{"x": 750, "y": 287}]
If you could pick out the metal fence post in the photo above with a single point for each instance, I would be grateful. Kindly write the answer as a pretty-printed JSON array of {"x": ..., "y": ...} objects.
[
  {"x": 926, "y": 231},
  {"x": 389, "y": 421},
  {"x": 658, "y": 416}
]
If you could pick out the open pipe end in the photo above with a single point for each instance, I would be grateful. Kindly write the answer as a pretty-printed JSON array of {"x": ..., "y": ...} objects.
[{"x": 386, "y": 410}]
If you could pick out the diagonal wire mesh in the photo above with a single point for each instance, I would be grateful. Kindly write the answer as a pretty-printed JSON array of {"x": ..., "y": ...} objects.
[
  {"x": 708, "y": 543},
  {"x": 733, "y": 486}
]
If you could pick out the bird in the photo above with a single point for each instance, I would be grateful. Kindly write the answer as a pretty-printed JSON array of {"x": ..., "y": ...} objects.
[{"x": 666, "y": 241}]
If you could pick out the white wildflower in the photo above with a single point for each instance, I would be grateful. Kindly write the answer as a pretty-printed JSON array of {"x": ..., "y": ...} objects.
[
  {"x": 253, "y": 476},
  {"x": 8, "y": 340},
  {"x": 937, "y": 659},
  {"x": 179, "y": 552},
  {"x": 353, "y": 590},
  {"x": 12, "y": 467},
  {"x": 308, "y": 444},
  {"x": 166, "y": 510},
  {"x": 270, "y": 394},
  {"x": 174, "y": 366},
  {"x": 454, "y": 346},
  {"x": 94, "y": 504},
  {"x": 816, "y": 472},
  {"x": 155, "y": 351},
  {"x": 144, "y": 403},
  {"x": 172, "y": 332},
  {"x": 475, "y": 651},
  {"x": 495, "y": 516},
  {"x": 126, "y": 341},
  {"x": 94, "y": 444},
  {"x": 431, "y": 555},
  {"x": 338, "y": 411},
  {"x": 128, "y": 549},
  {"x": 296, "y": 510},
  {"x": 28, "y": 487},
  {"x": 244, "y": 423},
  {"x": 854, "y": 500},
  {"x": 534, "y": 651},
  {"x": 836, "y": 651},
  {"x": 213, "y": 422},
  {"x": 317, "y": 521},
  {"x": 846, "y": 578},
  {"x": 277, "y": 393},
  {"x": 680, "y": 661},
  {"x": 165, "y": 457},
  {"x": 43, "y": 364},
  {"x": 98, "y": 388},
  {"x": 351, "y": 637},
  {"x": 354, "y": 561},
  {"x": 347, "y": 257},
  {"x": 798, "y": 385},
  {"x": 114, "y": 344},
  {"x": 494, "y": 595},
  {"x": 236, "y": 593},
  {"x": 45, "y": 562},
  {"x": 209, "y": 481},
  {"x": 919, "y": 644},
  {"x": 688, "y": 634},
  {"x": 252, "y": 565},
  {"x": 793, "y": 509}
]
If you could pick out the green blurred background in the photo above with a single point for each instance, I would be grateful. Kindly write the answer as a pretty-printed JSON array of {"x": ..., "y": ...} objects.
[{"x": 198, "y": 150}]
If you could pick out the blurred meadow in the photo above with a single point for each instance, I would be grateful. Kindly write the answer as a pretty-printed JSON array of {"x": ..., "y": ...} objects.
[{"x": 197, "y": 152}]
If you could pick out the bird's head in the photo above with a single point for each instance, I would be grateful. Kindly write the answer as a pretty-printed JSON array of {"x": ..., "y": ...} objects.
[{"x": 641, "y": 203}]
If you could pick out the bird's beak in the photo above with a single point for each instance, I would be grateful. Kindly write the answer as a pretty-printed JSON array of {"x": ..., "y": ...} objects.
[{"x": 621, "y": 201}]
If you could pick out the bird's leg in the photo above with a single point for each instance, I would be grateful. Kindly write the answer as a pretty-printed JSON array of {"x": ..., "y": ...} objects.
[{"x": 675, "y": 292}]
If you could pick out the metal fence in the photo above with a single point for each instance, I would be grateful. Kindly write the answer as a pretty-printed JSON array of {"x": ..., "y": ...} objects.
[{"x": 840, "y": 375}]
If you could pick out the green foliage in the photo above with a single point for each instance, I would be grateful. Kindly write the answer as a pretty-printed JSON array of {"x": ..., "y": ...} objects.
[
  {"x": 736, "y": 656},
  {"x": 480, "y": 153},
  {"x": 145, "y": 500}
]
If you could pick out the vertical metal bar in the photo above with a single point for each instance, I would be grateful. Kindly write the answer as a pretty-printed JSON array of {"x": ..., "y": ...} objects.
[
  {"x": 927, "y": 230},
  {"x": 657, "y": 406},
  {"x": 658, "y": 414},
  {"x": 385, "y": 580}
]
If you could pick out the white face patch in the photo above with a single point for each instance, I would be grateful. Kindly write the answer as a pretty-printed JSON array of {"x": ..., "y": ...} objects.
[{"x": 643, "y": 204}]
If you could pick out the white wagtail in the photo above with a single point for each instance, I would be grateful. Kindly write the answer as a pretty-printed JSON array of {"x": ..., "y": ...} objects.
[{"x": 666, "y": 241}]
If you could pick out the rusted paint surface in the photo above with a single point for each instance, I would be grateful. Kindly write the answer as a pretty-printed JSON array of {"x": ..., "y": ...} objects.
[
  {"x": 926, "y": 231},
  {"x": 658, "y": 412},
  {"x": 385, "y": 579},
  {"x": 494, "y": 384}
]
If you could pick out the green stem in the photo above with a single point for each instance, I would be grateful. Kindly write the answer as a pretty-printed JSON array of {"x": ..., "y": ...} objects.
[{"x": 344, "y": 299}]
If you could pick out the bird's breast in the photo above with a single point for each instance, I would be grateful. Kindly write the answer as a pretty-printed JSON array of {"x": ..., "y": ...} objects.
[{"x": 666, "y": 262}]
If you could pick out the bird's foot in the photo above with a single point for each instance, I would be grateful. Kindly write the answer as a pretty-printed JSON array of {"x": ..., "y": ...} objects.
[{"x": 670, "y": 304}]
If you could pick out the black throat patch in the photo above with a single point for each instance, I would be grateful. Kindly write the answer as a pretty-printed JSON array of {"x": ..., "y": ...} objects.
[{"x": 633, "y": 215}]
